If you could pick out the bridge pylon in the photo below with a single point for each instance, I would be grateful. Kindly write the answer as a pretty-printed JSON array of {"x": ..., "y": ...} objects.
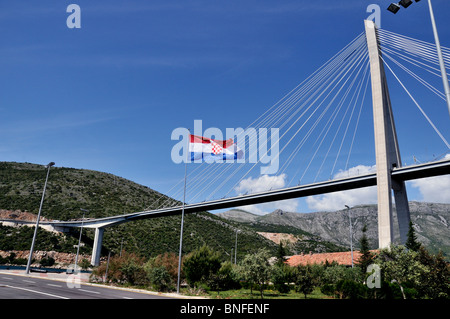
[{"x": 387, "y": 152}]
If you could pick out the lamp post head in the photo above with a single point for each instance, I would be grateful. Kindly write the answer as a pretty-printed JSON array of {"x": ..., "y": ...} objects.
[
  {"x": 394, "y": 7},
  {"x": 405, "y": 3},
  {"x": 50, "y": 164}
]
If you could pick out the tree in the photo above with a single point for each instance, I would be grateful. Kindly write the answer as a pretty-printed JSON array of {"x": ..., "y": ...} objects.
[
  {"x": 225, "y": 278},
  {"x": 256, "y": 269},
  {"x": 128, "y": 268},
  {"x": 200, "y": 264},
  {"x": 160, "y": 278},
  {"x": 47, "y": 262},
  {"x": 350, "y": 289},
  {"x": 167, "y": 260},
  {"x": 281, "y": 276},
  {"x": 281, "y": 252},
  {"x": 85, "y": 263},
  {"x": 366, "y": 257},
  {"x": 411, "y": 242},
  {"x": 304, "y": 280},
  {"x": 401, "y": 266},
  {"x": 434, "y": 283},
  {"x": 132, "y": 270}
]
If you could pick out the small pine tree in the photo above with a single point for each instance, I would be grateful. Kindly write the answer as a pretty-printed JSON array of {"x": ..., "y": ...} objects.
[
  {"x": 366, "y": 256},
  {"x": 411, "y": 242},
  {"x": 281, "y": 252}
]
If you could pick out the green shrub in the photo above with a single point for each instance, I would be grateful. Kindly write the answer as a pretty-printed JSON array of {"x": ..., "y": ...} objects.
[
  {"x": 167, "y": 260},
  {"x": 127, "y": 268},
  {"x": 226, "y": 278},
  {"x": 47, "y": 262},
  {"x": 200, "y": 264},
  {"x": 281, "y": 276},
  {"x": 328, "y": 289},
  {"x": 160, "y": 278},
  {"x": 350, "y": 289},
  {"x": 133, "y": 272}
]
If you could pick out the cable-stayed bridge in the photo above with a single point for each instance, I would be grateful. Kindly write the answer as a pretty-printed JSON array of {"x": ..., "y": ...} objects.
[{"x": 322, "y": 128}]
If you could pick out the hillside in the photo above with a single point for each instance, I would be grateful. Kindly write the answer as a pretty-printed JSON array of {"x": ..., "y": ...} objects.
[
  {"x": 69, "y": 190},
  {"x": 274, "y": 228},
  {"x": 431, "y": 220}
]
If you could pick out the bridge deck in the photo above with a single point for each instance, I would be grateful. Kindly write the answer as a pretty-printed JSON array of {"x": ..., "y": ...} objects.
[{"x": 402, "y": 174}]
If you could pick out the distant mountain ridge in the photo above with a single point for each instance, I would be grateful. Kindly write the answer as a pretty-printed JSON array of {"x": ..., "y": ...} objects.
[{"x": 431, "y": 221}]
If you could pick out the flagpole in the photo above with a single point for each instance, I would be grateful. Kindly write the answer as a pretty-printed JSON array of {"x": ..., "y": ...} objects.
[{"x": 182, "y": 215}]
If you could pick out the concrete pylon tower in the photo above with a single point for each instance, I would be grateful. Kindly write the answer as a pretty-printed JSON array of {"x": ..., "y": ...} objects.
[{"x": 386, "y": 148}]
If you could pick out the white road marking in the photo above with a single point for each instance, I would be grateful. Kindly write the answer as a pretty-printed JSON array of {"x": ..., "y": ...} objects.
[
  {"x": 31, "y": 282},
  {"x": 7, "y": 278},
  {"x": 127, "y": 298},
  {"x": 59, "y": 286},
  {"x": 93, "y": 292},
  {"x": 38, "y": 292}
]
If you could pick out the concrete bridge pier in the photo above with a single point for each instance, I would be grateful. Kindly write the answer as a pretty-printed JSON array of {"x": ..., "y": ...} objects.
[
  {"x": 96, "y": 251},
  {"x": 387, "y": 152}
]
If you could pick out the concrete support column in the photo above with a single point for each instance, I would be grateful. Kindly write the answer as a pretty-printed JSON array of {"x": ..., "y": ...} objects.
[
  {"x": 96, "y": 251},
  {"x": 402, "y": 208},
  {"x": 386, "y": 146}
]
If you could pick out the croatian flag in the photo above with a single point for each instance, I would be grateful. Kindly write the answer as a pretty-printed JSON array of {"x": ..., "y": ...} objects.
[{"x": 213, "y": 150}]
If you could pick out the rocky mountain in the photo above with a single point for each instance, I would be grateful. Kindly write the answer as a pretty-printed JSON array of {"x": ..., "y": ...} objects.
[
  {"x": 431, "y": 221},
  {"x": 278, "y": 228},
  {"x": 239, "y": 215}
]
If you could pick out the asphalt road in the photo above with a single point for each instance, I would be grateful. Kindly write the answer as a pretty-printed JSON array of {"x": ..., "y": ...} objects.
[{"x": 32, "y": 287}]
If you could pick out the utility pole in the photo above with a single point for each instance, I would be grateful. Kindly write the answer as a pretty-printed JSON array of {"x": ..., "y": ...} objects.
[
  {"x": 351, "y": 231},
  {"x": 394, "y": 8},
  {"x": 30, "y": 257},
  {"x": 440, "y": 57}
]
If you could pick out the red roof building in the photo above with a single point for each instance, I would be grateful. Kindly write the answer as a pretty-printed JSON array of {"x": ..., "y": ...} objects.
[{"x": 342, "y": 258}]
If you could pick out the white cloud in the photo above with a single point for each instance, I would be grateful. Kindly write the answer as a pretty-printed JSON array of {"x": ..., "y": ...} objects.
[
  {"x": 261, "y": 184},
  {"x": 434, "y": 189},
  {"x": 265, "y": 183},
  {"x": 338, "y": 200},
  {"x": 355, "y": 171}
]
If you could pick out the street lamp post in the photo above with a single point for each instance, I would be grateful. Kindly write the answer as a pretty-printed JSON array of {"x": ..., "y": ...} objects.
[
  {"x": 38, "y": 217},
  {"x": 351, "y": 232},
  {"x": 394, "y": 8},
  {"x": 441, "y": 59},
  {"x": 79, "y": 239},
  {"x": 235, "y": 247},
  {"x": 182, "y": 221}
]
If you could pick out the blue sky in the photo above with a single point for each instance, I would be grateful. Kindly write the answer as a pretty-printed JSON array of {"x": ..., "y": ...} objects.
[{"x": 107, "y": 96}]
